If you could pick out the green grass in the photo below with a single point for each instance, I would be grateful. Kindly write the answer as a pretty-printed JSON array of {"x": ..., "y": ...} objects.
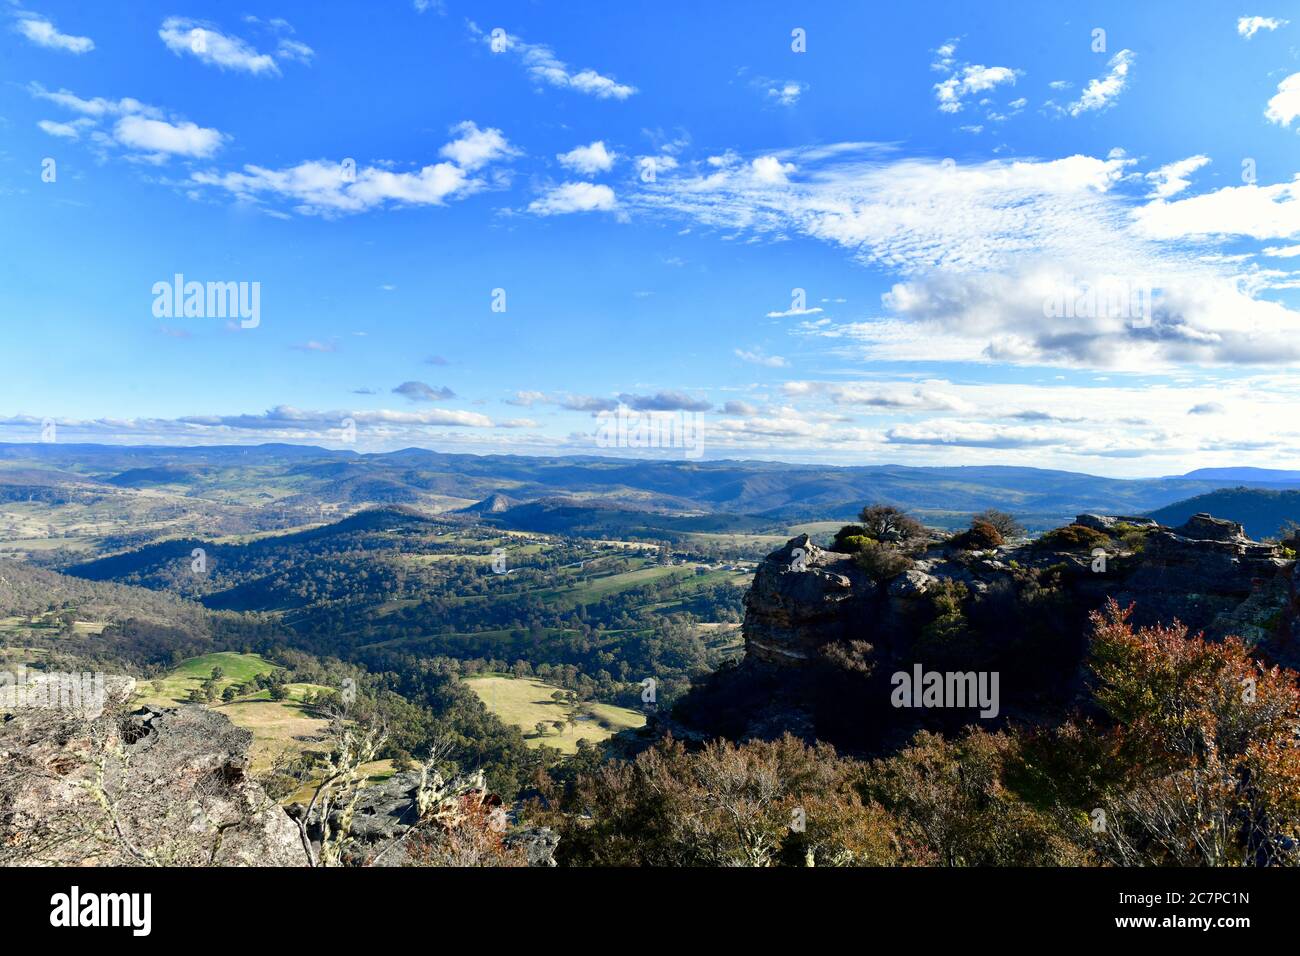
[
  {"x": 525, "y": 701},
  {"x": 277, "y": 726}
]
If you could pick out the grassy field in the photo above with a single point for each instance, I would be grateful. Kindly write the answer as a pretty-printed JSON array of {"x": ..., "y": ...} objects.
[
  {"x": 277, "y": 726},
  {"x": 525, "y": 701}
]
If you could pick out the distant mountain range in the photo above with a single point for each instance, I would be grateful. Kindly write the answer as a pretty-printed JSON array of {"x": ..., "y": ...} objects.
[
  {"x": 1246, "y": 476},
  {"x": 498, "y": 486}
]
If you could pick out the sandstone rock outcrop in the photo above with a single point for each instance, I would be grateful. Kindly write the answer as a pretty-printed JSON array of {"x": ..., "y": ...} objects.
[
  {"x": 1206, "y": 573},
  {"x": 149, "y": 787}
]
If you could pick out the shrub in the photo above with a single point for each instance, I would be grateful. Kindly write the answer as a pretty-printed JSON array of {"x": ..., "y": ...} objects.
[
  {"x": 841, "y": 542},
  {"x": 981, "y": 536},
  {"x": 882, "y": 561},
  {"x": 1073, "y": 537},
  {"x": 855, "y": 543}
]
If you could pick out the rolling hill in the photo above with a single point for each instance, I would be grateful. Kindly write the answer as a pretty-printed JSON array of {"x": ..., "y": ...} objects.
[{"x": 1262, "y": 511}]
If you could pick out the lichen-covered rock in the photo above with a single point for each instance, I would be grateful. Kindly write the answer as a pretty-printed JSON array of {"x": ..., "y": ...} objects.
[{"x": 152, "y": 787}]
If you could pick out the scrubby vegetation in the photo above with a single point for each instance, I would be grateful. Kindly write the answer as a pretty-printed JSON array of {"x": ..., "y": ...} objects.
[{"x": 1190, "y": 759}]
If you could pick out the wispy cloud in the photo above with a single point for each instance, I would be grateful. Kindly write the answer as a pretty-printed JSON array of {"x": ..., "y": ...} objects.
[
  {"x": 1101, "y": 92},
  {"x": 146, "y": 131},
  {"x": 207, "y": 43},
  {"x": 543, "y": 66},
  {"x": 43, "y": 32},
  {"x": 324, "y": 188}
]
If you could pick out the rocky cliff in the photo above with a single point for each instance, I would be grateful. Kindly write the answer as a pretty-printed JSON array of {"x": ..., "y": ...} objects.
[
  {"x": 1206, "y": 573},
  {"x": 823, "y": 634}
]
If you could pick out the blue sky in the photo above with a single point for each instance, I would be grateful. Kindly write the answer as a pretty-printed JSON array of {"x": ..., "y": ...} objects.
[{"x": 650, "y": 185}]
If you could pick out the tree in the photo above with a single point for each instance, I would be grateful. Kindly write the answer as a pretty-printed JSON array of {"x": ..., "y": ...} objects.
[
  {"x": 882, "y": 561},
  {"x": 1006, "y": 524},
  {"x": 229, "y": 694},
  {"x": 887, "y": 523}
]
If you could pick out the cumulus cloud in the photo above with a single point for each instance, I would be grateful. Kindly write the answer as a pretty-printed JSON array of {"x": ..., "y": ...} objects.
[
  {"x": 1248, "y": 26},
  {"x": 588, "y": 160},
  {"x": 964, "y": 79},
  {"x": 574, "y": 197},
  {"x": 587, "y": 403},
  {"x": 145, "y": 130},
  {"x": 665, "y": 402},
  {"x": 474, "y": 148},
  {"x": 1259, "y": 212},
  {"x": 543, "y": 66},
  {"x": 42, "y": 32},
  {"x": 770, "y": 170},
  {"x": 161, "y": 137},
  {"x": 1285, "y": 104}
]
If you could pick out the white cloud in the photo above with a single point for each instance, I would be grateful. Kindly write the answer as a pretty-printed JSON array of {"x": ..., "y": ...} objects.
[
  {"x": 769, "y": 169},
  {"x": 756, "y": 357},
  {"x": 971, "y": 78},
  {"x": 925, "y": 397},
  {"x": 1172, "y": 178},
  {"x": 792, "y": 312},
  {"x": 1102, "y": 91},
  {"x": 787, "y": 93},
  {"x": 320, "y": 187},
  {"x": 208, "y": 44},
  {"x": 139, "y": 127},
  {"x": 62, "y": 130},
  {"x": 42, "y": 32},
  {"x": 545, "y": 67},
  {"x": 1249, "y": 26},
  {"x": 985, "y": 248},
  {"x": 476, "y": 147},
  {"x": 574, "y": 197},
  {"x": 1285, "y": 104},
  {"x": 1260, "y": 212},
  {"x": 160, "y": 136},
  {"x": 909, "y": 215},
  {"x": 588, "y": 160}
]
